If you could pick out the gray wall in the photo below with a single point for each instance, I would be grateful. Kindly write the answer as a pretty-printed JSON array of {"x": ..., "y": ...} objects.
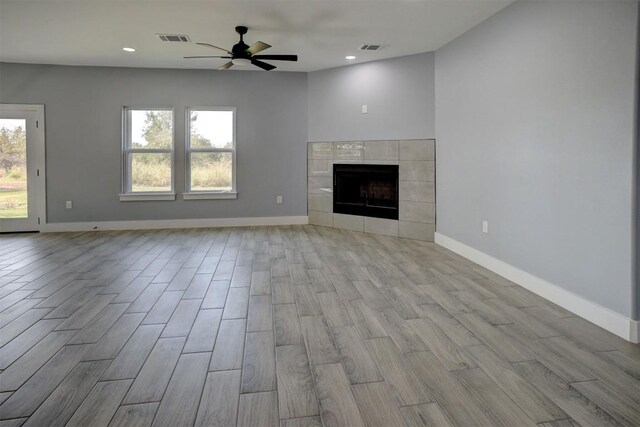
[
  {"x": 83, "y": 121},
  {"x": 399, "y": 93},
  {"x": 637, "y": 183},
  {"x": 535, "y": 129}
]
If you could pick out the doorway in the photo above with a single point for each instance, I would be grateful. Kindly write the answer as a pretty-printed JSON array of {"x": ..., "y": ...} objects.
[{"x": 22, "y": 162}]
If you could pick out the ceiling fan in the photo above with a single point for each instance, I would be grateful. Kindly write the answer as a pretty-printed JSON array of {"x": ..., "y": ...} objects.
[{"x": 243, "y": 54}]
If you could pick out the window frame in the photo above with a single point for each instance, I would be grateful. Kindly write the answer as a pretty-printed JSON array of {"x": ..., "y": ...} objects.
[
  {"x": 127, "y": 194},
  {"x": 190, "y": 194}
]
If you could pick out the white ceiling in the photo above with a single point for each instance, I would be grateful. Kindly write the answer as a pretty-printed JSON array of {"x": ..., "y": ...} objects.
[{"x": 321, "y": 32}]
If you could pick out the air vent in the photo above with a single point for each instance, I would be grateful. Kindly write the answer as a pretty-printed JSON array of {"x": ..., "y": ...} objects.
[
  {"x": 174, "y": 38},
  {"x": 373, "y": 46}
]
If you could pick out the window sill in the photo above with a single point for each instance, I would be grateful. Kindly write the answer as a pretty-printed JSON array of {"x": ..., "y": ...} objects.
[
  {"x": 205, "y": 195},
  {"x": 145, "y": 197}
]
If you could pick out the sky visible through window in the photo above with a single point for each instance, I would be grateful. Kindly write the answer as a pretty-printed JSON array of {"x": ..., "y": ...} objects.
[
  {"x": 216, "y": 126},
  {"x": 11, "y": 124}
]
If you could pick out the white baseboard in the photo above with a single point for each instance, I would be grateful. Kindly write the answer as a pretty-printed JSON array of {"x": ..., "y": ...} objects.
[
  {"x": 173, "y": 223},
  {"x": 635, "y": 331},
  {"x": 605, "y": 318}
]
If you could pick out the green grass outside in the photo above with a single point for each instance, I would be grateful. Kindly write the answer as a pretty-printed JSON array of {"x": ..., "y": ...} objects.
[{"x": 13, "y": 203}]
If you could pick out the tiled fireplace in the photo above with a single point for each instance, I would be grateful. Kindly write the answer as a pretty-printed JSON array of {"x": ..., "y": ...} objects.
[{"x": 415, "y": 161}]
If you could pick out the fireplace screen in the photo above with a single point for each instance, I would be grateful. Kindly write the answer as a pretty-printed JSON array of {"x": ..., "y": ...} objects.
[{"x": 367, "y": 190}]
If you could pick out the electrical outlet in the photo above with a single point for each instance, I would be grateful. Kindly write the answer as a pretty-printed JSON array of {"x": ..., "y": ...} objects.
[
  {"x": 68, "y": 204},
  {"x": 279, "y": 200},
  {"x": 485, "y": 226},
  {"x": 365, "y": 109}
]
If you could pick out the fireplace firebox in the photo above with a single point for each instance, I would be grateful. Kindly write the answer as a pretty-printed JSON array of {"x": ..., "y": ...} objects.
[{"x": 366, "y": 190}]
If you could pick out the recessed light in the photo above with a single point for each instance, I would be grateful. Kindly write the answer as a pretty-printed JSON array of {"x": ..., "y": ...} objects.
[
  {"x": 350, "y": 57},
  {"x": 128, "y": 49}
]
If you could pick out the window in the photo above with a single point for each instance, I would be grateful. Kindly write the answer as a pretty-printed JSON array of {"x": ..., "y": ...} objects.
[
  {"x": 147, "y": 154},
  {"x": 210, "y": 153}
]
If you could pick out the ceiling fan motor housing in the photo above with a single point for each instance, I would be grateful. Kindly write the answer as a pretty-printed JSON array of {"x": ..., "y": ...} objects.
[{"x": 240, "y": 49}]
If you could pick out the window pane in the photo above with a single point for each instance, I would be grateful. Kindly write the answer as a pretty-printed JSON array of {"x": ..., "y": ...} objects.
[
  {"x": 151, "y": 128},
  {"x": 13, "y": 168},
  {"x": 150, "y": 171},
  {"x": 211, "y": 171},
  {"x": 211, "y": 129}
]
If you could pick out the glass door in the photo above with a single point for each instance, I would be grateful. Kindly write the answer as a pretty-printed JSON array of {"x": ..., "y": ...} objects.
[{"x": 21, "y": 167}]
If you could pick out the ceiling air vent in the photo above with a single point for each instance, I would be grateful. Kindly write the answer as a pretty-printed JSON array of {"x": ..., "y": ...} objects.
[
  {"x": 174, "y": 38},
  {"x": 372, "y": 46}
]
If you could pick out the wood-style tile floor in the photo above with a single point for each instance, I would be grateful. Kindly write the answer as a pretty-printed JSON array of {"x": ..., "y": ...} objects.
[{"x": 290, "y": 326}]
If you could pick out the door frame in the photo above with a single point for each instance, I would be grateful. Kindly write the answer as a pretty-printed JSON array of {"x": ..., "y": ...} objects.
[{"x": 38, "y": 159}]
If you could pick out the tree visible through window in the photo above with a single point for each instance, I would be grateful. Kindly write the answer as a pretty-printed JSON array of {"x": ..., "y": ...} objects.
[
  {"x": 211, "y": 150},
  {"x": 13, "y": 168},
  {"x": 148, "y": 153}
]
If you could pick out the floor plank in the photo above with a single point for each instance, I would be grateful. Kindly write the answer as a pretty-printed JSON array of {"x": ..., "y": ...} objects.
[
  {"x": 236, "y": 304},
  {"x": 258, "y": 409},
  {"x": 204, "y": 331},
  {"x": 287, "y": 325},
  {"x": 318, "y": 341},
  {"x": 260, "y": 314},
  {"x": 179, "y": 404},
  {"x": 219, "y": 403},
  {"x": 58, "y": 408},
  {"x": 427, "y": 414},
  {"x": 290, "y": 326},
  {"x": 333, "y": 309},
  {"x": 13, "y": 350},
  {"x": 140, "y": 415},
  {"x": 38, "y": 388},
  {"x": 449, "y": 353},
  {"x": 338, "y": 406},
  {"x": 179, "y": 325},
  {"x": 163, "y": 308},
  {"x": 564, "y": 395},
  {"x": 533, "y": 402},
  {"x": 101, "y": 404},
  {"x": 92, "y": 332},
  {"x": 619, "y": 405},
  {"x": 128, "y": 362},
  {"x": 375, "y": 407},
  {"x": 496, "y": 404},
  {"x": 216, "y": 295},
  {"x": 259, "y": 366},
  {"x": 397, "y": 373},
  {"x": 115, "y": 338},
  {"x": 229, "y": 347},
  {"x": 457, "y": 403},
  {"x": 296, "y": 395},
  {"x": 355, "y": 356},
  {"x": 151, "y": 381}
]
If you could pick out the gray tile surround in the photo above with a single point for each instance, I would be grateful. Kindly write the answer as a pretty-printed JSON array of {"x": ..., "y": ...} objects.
[
  {"x": 349, "y": 222},
  {"x": 416, "y": 173},
  {"x": 381, "y": 150}
]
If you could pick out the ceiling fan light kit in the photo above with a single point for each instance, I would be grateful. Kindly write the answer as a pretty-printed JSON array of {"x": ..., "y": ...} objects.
[
  {"x": 241, "y": 61},
  {"x": 243, "y": 54}
]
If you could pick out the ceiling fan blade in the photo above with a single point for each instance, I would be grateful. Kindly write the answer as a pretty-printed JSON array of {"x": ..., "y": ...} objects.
[
  {"x": 226, "y": 66},
  {"x": 262, "y": 65},
  {"x": 201, "y": 56},
  {"x": 214, "y": 47},
  {"x": 277, "y": 57},
  {"x": 257, "y": 47}
]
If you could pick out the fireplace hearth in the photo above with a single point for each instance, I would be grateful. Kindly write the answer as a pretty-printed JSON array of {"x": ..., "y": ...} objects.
[{"x": 366, "y": 190}]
